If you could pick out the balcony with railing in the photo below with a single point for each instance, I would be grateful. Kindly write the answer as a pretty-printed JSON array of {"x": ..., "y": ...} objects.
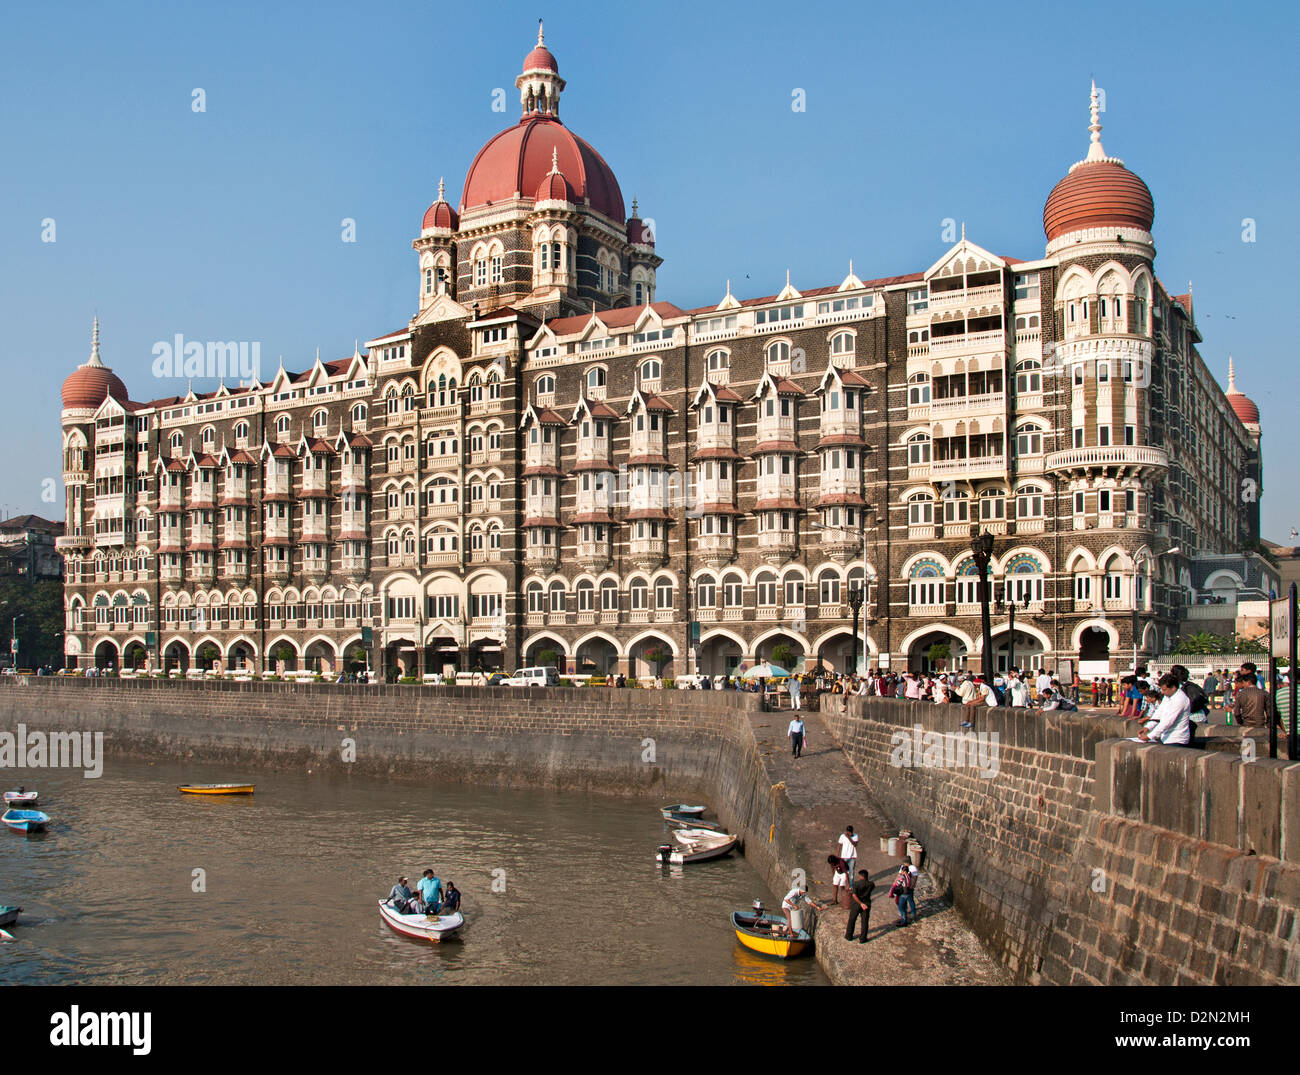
[
  {"x": 353, "y": 475},
  {"x": 985, "y": 295},
  {"x": 316, "y": 480},
  {"x": 542, "y": 454},
  {"x": 974, "y": 466},
  {"x": 714, "y": 435},
  {"x": 962, "y": 406},
  {"x": 169, "y": 496},
  {"x": 276, "y": 482},
  {"x": 716, "y": 549},
  {"x": 776, "y": 487},
  {"x": 993, "y": 340},
  {"x": 648, "y": 552},
  {"x": 315, "y": 527},
  {"x": 1128, "y": 457}
]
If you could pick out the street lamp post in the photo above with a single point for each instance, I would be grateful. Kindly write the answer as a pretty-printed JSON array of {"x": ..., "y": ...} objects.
[
  {"x": 981, "y": 547},
  {"x": 855, "y": 603},
  {"x": 1010, "y": 608}
]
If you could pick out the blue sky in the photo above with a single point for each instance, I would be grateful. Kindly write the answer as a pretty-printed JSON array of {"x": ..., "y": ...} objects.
[{"x": 226, "y": 224}]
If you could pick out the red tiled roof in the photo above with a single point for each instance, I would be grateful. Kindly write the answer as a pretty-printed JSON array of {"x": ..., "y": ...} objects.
[
  {"x": 728, "y": 395},
  {"x": 593, "y": 517},
  {"x": 838, "y": 439},
  {"x": 777, "y": 504},
  {"x": 175, "y": 465},
  {"x": 775, "y": 446},
  {"x": 717, "y": 508},
  {"x": 833, "y": 499},
  {"x": 593, "y": 464},
  {"x": 360, "y": 440},
  {"x": 275, "y": 541},
  {"x": 392, "y": 335},
  {"x": 541, "y": 520},
  {"x": 242, "y": 458},
  {"x": 850, "y": 377},
  {"x": 603, "y": 410},
  {"x": 548, "y": 417},
  {"x": 543, "y": 472},
  {"x": 649, "y": 513},
  {"x": 207, "y": 462},
  {"x": 320, "y": 447},
  {"x": 283, "y": 451},
  {"x": 353, "y": 535},
  {"x": 620, "y": 318},
  {"x": 234, "y": 543},
  {"x": 787, "y": 387},
  {"x": 648, "y": 461},
  {"x": 658, "y": 403}
]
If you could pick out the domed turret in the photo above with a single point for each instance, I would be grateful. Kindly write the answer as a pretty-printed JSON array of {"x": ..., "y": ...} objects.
[
  {"x": 440, "y": 214},
  {"x": 92, "y": 382},
  {"x": 1242, "y": 406},
  {"x": 1098, "y": 192},
  {"x": 555, "y": 188}
]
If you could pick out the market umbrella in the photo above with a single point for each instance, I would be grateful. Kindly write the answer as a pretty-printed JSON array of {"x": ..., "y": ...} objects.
[{"x": 766, "y": 671}]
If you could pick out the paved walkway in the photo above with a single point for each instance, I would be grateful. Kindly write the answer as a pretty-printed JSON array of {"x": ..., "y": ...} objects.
[{"x": 939, "y": 948}]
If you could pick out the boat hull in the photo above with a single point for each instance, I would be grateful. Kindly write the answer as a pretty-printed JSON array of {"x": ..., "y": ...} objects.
[
  {"x": 691, "y": 853},
  {"x": 751, "y": 933},
  {"x": 25, "y": 820},
  {"x": 21, "y": 798},
  {"x": 9, "y": 915},
  {"x": 215, "y": 789},
  {"x": 681, "y": 810},
  {"x": 435, "y": 928}
]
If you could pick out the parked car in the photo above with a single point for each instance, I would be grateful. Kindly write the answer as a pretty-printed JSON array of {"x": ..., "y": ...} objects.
[{"x": 543, "y": 676}]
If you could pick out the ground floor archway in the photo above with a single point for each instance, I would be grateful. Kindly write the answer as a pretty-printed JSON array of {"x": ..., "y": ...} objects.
[
  {"x": 720, "y": 655},
  {"x": 772, "y": 650},
  {"x": 135, "y": 655},
  {"x": 1094, "y": 651},
  {"x": 924, "y": 653},
  {"x": 440, "y": 654},
  {"x": 320, "y": 656},
  {"x": 652, "y": 656},
  {"x": 486, "y": 655},
  {"x": 106, "y": 655},
  {"x": 546, "y": 650},
  {"x": 176, "y": 657},
  {"x": 240, "y": 656},
  {"x": 597, "y": 656}
]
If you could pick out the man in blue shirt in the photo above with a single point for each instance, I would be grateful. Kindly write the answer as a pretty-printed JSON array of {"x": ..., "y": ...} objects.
[{"x": 430, "y": 892}]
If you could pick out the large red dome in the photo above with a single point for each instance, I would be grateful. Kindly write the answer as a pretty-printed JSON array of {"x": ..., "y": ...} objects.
[
  {"x": 89, "y": 386},
  {"x": 1098, "y": 194},
  {"x": 516, "y": 161}
]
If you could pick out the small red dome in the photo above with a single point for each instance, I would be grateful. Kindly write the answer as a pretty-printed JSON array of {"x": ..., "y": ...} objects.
[
  {"x": 89, "y": 386},
  {"x": 1244, "y": 408},
  {"x": 555, "y": 188},
  {"x": 1098, "y": 194},
  {"x": 514, "y": 163},
  {"x": 440, "y": 215},
  {"x": 639, "y": 233},
  {"x": 540, "y": 59}
]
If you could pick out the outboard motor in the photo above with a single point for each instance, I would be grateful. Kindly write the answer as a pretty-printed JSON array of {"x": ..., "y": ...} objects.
[
  {"x": 665, "y": 853},
  {"x": 759, "y": 910}
]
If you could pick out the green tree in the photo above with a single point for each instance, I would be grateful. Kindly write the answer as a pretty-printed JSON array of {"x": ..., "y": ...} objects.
[
  {"x": 938, "y": 653},
  {"x": 39, "y": 607},
  {"x": 549, "y": 656},
  {"x": 658, "y": 656},
  {"x": 784, "y": 655},
  {"x": 1200, "y": 643}
]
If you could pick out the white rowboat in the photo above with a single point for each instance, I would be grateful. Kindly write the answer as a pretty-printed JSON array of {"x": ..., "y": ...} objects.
[
  {"x": 422, "y": 927},
  {"x": 695, "y": 852}
]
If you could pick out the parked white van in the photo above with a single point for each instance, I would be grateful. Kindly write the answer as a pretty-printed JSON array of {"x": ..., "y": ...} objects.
[{"x": 545, "y": 676}]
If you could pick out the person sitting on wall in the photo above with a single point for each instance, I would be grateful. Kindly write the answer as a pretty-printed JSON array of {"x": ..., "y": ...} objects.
[{"x": 1172, "y": 718}]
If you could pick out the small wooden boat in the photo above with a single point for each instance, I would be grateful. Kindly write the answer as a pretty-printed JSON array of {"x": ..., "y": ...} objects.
[
  {"x": 21, "y": 798},
  {"x": 423, "y": 927},
  {"x": 700, "y": 836},
  {"x": 680, "y": 810},
  {"x": 696, "y": 823},
  {"x": 695, "y": 851},
  {"x": 9, "y": 915},
  {"x": 216, "y": 789},
  {"x": 766, "y": 933},
  {"x": 25, "y": 820}
]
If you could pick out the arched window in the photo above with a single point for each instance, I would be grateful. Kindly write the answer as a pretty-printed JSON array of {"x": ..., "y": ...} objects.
[
  {"x": 765, "y": 588},
  {"x": 639, "y": 592},
  {"x": 663, "y": 592},
  {"x": 209, "y": 437},
  {"x": 1023, "y": 580},
  {"x": 926, "y": 584},
  {"x": 1030, "y": 501},
  {"x": 282, "y": 427},
  {"x": 596, "y": 377},
  {"x": 391, "y": 400},
  {"x": 718, "y": 361},
  {"x": 993, "y": 505},
  {"x": 650, "y": 369},
  {"x": 1029, "y": 376},
  {"x": 536, "y": 598},
  {"x": 1141, "y": 306},
  {"x": 733, "y": 591},
  {"x": 586, "y": 596},
  {"x": 920, "y": 510},
  {"x": 828, "y": 587},
  {"x": 359, "y": 412},
  {"x": 609, "y": 596},
  {"x": 1029, "y": 440},
  {"x": 178, "y": 442},
  {"x": 705, "y": 592},
  {"x": 778, "y": 352},
  {"x": 545, "y": 385},
  {"x": 557, "y": 596},
  {"x": 918, "y": 389},
  {"x": 320, "y": 419},
  {"x": 918, "y": 449},
  {"x": 842, "y": 343},
  {"x": 956, "y": 507},
  {"x": 241, "y": 433}
]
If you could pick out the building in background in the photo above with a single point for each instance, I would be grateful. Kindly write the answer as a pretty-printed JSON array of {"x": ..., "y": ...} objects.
[
  {"x": 28, "y": 547},
  {"x": 549, "y": 457}
]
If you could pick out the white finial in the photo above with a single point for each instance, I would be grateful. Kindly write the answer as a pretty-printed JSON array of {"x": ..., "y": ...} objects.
[
  {"x": 728, "y": 288},
  {"x": 850, "y": 266},
  {"x": 318, "y": 356},
  {"x": 356, "y": 348},
  {"x": 1232, "y": 376},
  {"x": 634, "y": 208},
  {"x": 442, "y": 190},
  {"x": 555, "y": 160},
  {"x": 787, "y": 277},
  {"x": 1095, "y": 150},
  {"x": 963, "y": 231},
  {"x": 541, "y": 37},
  {"x": 95, "y": 360}
]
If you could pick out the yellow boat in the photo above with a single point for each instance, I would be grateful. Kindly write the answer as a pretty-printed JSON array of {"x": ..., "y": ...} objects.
[
  {"x": 758, "y": 932},
  {"x": 216, "y": 789}
]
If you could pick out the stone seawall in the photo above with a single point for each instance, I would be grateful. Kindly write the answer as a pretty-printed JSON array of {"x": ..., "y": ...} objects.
[{"x": 1087, "y": 859}]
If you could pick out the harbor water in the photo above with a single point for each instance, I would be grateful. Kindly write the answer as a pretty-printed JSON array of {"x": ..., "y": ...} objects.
[{"x": 137, "y": 884}]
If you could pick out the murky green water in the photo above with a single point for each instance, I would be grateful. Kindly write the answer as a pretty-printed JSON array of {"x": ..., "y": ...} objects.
[{"x": 290, "y": 879}]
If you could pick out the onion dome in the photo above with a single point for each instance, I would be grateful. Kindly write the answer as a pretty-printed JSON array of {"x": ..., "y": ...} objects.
[
  {"x": 440, "y": 214},
  {"x": 555, "y": 188},
  {"x": 92, "y": 382},
  {"x": 540, "y": 59},
  {"x": 638, "y": 232},
  {"x": 1242, "y": 406},
  {"x": 1098, "y": 191}
]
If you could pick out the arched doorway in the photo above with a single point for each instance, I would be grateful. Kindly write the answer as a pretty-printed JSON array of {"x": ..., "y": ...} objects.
[
  {"x": 597, "y": 656},
  {"x": 925, "y": 654},
  {"x": 545, "y": 650},
  {"x": 720, "y": 655},
  {"x": 283, "y": 652},
  {"x": 485, "y": 655},
  {"x": 176, "y": 657},
  {"x": 319, "y": 656},
  {"x": 836, "y": 652},
  {"x": 772, "y": 650},
  {"x": 135, "y": 655},
  {"x": 207, "y": 656},
  {"x": 1028, "y": 651},
  {"x": 651, "y": 657},
  {"x": 441, "y": 653},
  {"x": 399, "y": 659},
  {"x": 1094, "y": 652},
  {"x": 240, "y": 657},
  {"x": 106, "y": 656}
]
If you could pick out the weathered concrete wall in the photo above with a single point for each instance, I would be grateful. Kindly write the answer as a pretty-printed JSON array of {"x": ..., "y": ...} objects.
[{"x": 1088, "y": 859}]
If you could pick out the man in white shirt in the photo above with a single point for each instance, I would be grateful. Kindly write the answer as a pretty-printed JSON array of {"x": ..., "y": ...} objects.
[
  {"x": 965, "y": 690},
  {"x": 796, "y": 733},
  {"x": 849, "y": 849},
  {"x": 1172, "y": 717},
  {"x": 1043, "y": 683},
  {"x": 1019, "y": 692}
]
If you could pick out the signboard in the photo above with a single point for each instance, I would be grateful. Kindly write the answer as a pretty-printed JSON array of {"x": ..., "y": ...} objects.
[{"x": 1280, "y": 628}]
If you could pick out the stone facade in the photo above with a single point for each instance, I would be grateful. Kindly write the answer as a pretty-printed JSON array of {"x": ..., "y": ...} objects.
[{"x": 536, "y": 462}]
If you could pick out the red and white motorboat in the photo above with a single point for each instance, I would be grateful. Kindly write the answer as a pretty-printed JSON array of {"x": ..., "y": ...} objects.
[
  {"x": 423, "y": 927},
  {"x": 21, "y": 798}
]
